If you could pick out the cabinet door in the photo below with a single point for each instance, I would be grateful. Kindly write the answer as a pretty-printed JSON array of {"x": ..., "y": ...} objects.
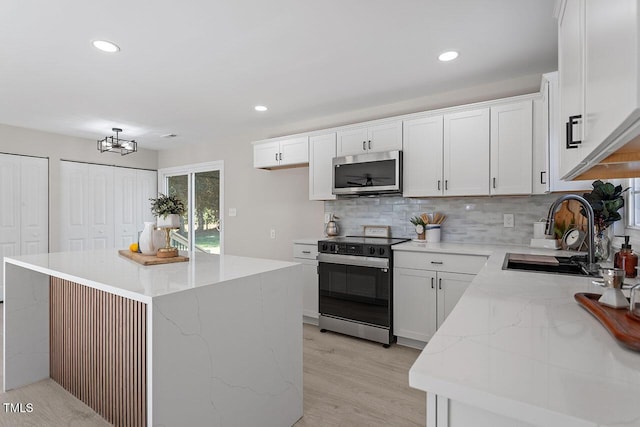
[
  {"x": 146, "y": 188},
  {"x": 266, "y": 155},
  {"x": 322, "y": 150},
  {"x": 451, "y": 286},
  {"x": 466, "y": 153},
  {"x": 570, "y": 78},
  {"x": 294, "y": 151},
  {"x": 511, "y": 148},
  {"x": 74, "y": 205},
  {"x": 309, "y": 287},
  {"x": 541, "y": 132},
  {"x": 34, "y": 206},
  {"x": 385, "y": 137},
  {"x": 422, "y": 157},
  {"x": 100, "y": 207},
  {"x": 125, "y": 204},
  {"x": 611, "y": 70},
  {"x": 414, "y": 303},
  {"x": 352, "y": 141}
]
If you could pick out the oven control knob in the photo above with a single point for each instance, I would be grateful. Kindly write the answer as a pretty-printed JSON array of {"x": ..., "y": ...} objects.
[
  {"x": 372, "y": 250},
  {"x": 333, "y": 248},
  {"x": 325, "y": 246},
  {"x": 381, "y": 251}
]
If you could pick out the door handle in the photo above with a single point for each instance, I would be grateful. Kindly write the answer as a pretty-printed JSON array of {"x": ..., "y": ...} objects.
[
  {"x": 446, "y": 184},
  {"x": 432, "y": 280},
  {"x": 306, "y": 252},
  {"x": 276, "y": 157},
  {"x": 369, "y": 144},
  {"x": 439, "y": 283},
  {"x": 438, "y": 185},
  {"x": 573, "y": 120},
  {"x": 494, "y": 182},
  {"x": 364, "y": 145},
  {"x": 542, "y": 181},
  {"x": 280, "y": 156},
  {"x": 437, "y": 262}
]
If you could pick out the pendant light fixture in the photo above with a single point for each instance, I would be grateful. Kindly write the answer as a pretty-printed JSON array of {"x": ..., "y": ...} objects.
[{"x": 114, "y": 144}]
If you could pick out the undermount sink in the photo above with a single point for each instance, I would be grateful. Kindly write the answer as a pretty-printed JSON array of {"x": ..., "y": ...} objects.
[{"x": 572, "y": 266}]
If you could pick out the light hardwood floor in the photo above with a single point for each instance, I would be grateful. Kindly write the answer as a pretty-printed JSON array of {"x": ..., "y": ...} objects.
[{"x": 347, "y": 382}]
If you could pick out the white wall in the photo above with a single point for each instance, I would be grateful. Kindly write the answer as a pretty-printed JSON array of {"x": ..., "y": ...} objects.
[
  {"x": 280, "y": 198},
  {"x": 16, "y": 140}
]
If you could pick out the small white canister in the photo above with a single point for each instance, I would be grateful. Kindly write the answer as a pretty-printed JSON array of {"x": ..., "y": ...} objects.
[
  {"x": 432, "y": 233},
  {"x": 538, "y": 229}
]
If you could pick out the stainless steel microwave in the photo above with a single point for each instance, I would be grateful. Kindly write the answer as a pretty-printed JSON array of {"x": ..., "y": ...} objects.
[{"x": 373, "y": 173}]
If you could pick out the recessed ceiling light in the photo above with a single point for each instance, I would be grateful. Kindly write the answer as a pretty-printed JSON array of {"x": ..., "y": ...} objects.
[
  {"x": 260, "y": 108},
  {"x": 448, "y": 56},
  {"x": 105, "y": 46}
]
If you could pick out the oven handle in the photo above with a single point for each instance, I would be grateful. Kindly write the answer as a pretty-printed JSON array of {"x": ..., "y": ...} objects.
[{"x": 360, "y": 261}]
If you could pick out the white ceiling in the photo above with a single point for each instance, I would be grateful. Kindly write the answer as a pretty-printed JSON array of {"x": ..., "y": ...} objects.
[{"x": 197, "y": 67}]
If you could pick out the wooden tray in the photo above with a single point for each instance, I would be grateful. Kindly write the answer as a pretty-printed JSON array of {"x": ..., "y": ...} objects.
[
  {"x": 150, "y": 259},
  {"x": 619, "y": 322}
]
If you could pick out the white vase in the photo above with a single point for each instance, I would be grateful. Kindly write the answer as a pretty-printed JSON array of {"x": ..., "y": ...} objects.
[
  {"x": 145, "y": 243},
  {"x": 171, "y": 221}
]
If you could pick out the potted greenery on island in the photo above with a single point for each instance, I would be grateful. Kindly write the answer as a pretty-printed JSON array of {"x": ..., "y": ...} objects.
[{"x": 168, "y": 210}]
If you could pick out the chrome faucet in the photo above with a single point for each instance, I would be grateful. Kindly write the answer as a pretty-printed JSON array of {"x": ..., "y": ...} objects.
[{"x": 591, "y": 262}]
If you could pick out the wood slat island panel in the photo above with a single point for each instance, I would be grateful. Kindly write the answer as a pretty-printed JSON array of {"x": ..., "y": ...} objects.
[{"x": 98, "y": 350}]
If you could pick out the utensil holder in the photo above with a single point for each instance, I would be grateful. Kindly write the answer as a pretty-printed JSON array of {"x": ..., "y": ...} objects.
[{"x": 433, "y": 233}]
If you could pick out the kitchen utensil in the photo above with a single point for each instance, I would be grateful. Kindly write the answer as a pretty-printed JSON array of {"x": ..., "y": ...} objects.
[{"x": 613, "y": 279}]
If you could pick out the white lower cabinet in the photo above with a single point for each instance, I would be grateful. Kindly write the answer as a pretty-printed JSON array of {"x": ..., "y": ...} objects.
[
  {"x": 426, "y": 288},
  {"x": 306, "y": 254}
]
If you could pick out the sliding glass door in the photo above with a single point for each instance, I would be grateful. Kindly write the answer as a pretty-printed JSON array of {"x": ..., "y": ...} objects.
[{"x": 200, "y": 187}]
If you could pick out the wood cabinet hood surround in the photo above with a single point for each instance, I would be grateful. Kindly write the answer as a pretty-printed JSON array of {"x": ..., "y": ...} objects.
[{"x": 623, "y": 163}]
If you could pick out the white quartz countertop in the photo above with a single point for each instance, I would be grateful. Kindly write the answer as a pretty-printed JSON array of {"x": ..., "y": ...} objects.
[
  {"x": 108, "y": 271},
  {"x": 518, "y": 344}
]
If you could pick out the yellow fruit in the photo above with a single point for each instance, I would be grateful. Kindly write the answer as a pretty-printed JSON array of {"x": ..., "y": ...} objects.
[{"x": 133, "y": 247}]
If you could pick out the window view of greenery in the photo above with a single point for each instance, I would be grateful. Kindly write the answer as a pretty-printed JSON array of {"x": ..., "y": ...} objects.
[{"x": 206, "y": 211}]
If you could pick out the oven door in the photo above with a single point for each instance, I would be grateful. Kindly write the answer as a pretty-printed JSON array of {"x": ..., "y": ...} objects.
[{"x": 355, "y": 288}]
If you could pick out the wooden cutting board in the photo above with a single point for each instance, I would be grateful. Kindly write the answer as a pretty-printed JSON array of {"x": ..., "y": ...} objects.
[
  {"x": 150, "y": 259},
  {"x": 569, "y": 213}
]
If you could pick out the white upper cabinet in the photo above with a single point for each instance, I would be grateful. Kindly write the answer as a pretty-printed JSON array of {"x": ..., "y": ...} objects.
[
  {"x": 375, "y": 138},
  {"x": 511, "y": 148},
  {"x": 466, "y": 153},
  {"x": 423, "y": 157},
  {"x": 286, "y": 152},
  {"x": 322, "y": 150},
  {"x": 599, "y": 66}
]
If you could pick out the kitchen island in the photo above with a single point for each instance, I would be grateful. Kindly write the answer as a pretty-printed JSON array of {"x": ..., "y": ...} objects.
[
  {"x": 517, "y": 350},
  {"x": 213, "y": 341}
]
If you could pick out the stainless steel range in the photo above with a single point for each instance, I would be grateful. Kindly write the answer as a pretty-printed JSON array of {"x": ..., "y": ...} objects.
[{"x": 356, "y": 287}]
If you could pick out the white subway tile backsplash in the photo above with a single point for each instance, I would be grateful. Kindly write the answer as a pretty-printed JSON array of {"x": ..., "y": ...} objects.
[{"x": 469, "y": 219}]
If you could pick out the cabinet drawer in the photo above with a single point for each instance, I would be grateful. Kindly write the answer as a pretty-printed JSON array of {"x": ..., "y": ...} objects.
[
  {"x": 469, "y": 264},
  {"x": 301, "y": 250}
]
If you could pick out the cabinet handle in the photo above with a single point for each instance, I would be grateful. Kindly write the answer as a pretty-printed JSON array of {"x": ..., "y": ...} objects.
[
  {"x": 364, "y": 145},
  {"x": 494, "y": 182},
  {"x": 432, "y": 286},
  {"x": 306, "y": 252},
  {"x": 542, "y": 181},
  {"x": 369, "y": 144},
  {"x": 280, "y": 156},
  {"x": 439, "y": 283},
  {"x": 573, "y": 120},
  {"x": 438, "y": 185},
  {"x": 446, "y": 184},
  {"x": 437, "y": 262},
  {"x": 276, "y": 157}
]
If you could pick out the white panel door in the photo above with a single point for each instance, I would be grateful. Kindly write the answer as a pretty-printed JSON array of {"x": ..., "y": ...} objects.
[
  {"x": 414, "y": 300},
  {"x": 125, "y": 206},
  {"x": 74, "y": 228},
  {"x": 294, "y": 151},
  {"x": 385, "y": 137},
  {"x": 34, "y": 206},
  {"x": 146, "y": 188},
  {"x": 352, "y": 141},
  {"x": 9, "y": 205},
  {"x": 100, "y": 198},
  {"x": 511, "y": 148},
  {"x": 322, "y": 150},
  {"x": 422, "y": 157},
  {"x": 466, "y": 153},
  {"x": 451, "y": 286}
]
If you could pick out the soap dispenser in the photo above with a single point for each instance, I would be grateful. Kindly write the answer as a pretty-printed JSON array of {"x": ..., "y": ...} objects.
[{"x": 626, "y": 259}]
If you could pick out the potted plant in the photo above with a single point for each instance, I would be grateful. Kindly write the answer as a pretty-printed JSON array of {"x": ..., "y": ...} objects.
[
  {"x": 420, "y": 222},
  {"x": 605, "y": 200},
  {"x": 168, "y": 210}
]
